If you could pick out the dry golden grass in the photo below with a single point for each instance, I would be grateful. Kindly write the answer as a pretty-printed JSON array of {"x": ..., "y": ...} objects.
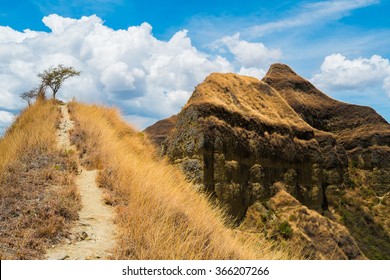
[
  {"x": 34, "y": 128},
  {"x": 38, "y": 198},
  {"x": 248, "y": 96},
  {"x": 159, "y": 214}
]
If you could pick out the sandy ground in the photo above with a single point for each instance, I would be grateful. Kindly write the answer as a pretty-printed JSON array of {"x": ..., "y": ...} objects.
[{"x": 93, "y": 236}]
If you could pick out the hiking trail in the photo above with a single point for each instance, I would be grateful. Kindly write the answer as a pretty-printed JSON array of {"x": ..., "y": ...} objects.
[{"x": 93, "y": 235}]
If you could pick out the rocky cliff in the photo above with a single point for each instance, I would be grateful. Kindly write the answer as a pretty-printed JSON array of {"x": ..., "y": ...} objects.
[
  {"x": 364, "y": 134},
  {"x": 244, "y": 141},
  {"x": 362, "y": 202},
  {"x": 237, "y": 136}
]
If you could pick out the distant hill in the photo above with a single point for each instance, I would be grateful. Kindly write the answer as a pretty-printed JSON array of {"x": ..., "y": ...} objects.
[
  {"x": 161, "y": 129},
  {"x": 245, "y": 141}
]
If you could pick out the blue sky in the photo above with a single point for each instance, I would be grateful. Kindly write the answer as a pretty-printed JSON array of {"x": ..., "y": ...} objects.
[{"x": 146, "y": 56}]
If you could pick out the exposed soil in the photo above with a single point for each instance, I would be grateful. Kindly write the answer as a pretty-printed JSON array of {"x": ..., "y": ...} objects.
[{"x": 93, "y": 235}]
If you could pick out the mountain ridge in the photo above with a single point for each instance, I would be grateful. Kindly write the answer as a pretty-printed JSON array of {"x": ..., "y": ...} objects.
[
  {"x": 237, "y": 137},
  {"x": 353, "y": 125},
  {"x": 55, "y": 156},
  {"x": 244, "y": 176}
]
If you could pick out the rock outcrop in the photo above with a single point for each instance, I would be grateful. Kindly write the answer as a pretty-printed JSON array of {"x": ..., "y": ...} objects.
[
  {"x": 364, "y": 134},
  {"x": 239, "y": 138},
  {"x": 317, "y": 237}
]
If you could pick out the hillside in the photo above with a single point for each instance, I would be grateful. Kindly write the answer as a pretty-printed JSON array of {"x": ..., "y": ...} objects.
[
  {"x": 246, "y": 133},
  {"x": 39, "y": 201},
  {"x": 157, "y": 214},
  {"x": 246, "y": 141},
  {"x": 160, "y": 130},
  {"x": 364, "y": 134},
  {"x": 251, "y": 169}
]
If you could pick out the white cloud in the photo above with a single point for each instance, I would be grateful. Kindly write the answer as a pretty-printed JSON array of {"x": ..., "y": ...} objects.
[
  {"x": 132, "y": 69},
  {"x": 8, "y": 35},
  {"x": 253, "y": 72},
  {"x": 129, "y": 68},
  {"x": 248, "y": 54},
  {"x": 340, "y": 73},
  {"x": 118, "y": 77},
  {"x": 9, "y": 87},
  {"x": 6, "y": 118},
  {"x": 309, "y": 13},
  {"x": 386, "y": 85},
  {"x": 139, "y": 122}
]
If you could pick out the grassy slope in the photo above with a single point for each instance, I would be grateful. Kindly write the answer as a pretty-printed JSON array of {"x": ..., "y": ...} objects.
[
  {"x": 159, "y": 215},
  {"x": 247, "y": 96},
  {"x": 359, "y": 208},
  {"x": 33, "y": 212}
]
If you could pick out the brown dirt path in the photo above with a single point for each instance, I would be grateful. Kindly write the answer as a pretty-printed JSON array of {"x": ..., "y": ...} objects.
[{"x": 93, "y": 236}]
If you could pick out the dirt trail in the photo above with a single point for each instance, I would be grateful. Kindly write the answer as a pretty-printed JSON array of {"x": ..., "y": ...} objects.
[{"x": 94, "y": 234}]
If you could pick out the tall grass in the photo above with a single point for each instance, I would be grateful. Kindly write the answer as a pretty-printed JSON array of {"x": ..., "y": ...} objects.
[
  {"x": 159, "y": 214},
  {"x": 35, "y": 129},
  {"x": 37, "y": 197}
]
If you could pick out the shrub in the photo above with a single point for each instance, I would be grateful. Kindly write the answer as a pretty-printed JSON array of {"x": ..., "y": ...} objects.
[{"x": 285, "y": 230}]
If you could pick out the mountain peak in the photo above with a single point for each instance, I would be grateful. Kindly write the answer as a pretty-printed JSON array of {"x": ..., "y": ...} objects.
[
  {"x": 274, "y": 146},
  {"x": 280, "y": 69},
  {"x": 248, "y": 97},
  {"x": 282, "y": 78}
]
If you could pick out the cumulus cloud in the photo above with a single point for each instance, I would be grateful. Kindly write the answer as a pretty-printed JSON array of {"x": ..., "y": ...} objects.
[
  {"x": 147, "y": 78},
  {"x": 6, "y": 119},
  {"x": 340, "y": 73},
  {"x": 139, "y": 122},
  {"x": 253, "y": 72},
  {"x": 386, "y": 85},
  {"x": 129, "y": 68},
  {"x": 248, "y": 54},
  {"x": 8, "y": 35}
]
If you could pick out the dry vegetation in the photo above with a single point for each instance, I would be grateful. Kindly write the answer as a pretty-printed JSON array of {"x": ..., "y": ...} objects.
[
  {"x": 284, "y": 219},
  {"x": 159, "y": 215},
  {"x": 38, "y": 198},
  {"x": 247, "y": 96},
  {"x": 364, "y": 210}
]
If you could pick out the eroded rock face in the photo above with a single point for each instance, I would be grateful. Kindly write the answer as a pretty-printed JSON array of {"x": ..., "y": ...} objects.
[
  {"x": 237, "y": 136},
  {"x": 363, "y": 133},
  {"x": 317, "y": 237}
]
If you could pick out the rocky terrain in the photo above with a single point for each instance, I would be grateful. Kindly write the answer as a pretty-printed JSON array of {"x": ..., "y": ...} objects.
[
  {"x": 286, "y": 160},
  {"x": 364, "y": 134}
]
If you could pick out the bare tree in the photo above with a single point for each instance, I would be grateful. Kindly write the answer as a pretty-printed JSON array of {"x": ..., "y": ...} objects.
[
  {"x": 55, "y": 77},
  {"x": 29, "y": 95}
]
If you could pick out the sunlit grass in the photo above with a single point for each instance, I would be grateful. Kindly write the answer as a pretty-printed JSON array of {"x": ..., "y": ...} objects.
[
  {"x": 159, "y": 214},
  {"x": 38, "y": 197}
]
